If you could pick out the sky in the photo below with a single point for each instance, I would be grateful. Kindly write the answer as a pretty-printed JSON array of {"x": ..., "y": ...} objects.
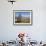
[{"x": 24, "y": 14}]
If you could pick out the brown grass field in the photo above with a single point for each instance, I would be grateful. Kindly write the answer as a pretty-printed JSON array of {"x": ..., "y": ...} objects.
[{"x": 22, "y": 20}]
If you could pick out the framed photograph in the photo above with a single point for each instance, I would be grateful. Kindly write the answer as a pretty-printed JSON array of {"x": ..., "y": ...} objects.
[{"x": 22, "y": 17}]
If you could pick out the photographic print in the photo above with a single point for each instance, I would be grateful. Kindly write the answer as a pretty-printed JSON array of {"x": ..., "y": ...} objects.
[{"x": 22, "y": 17}]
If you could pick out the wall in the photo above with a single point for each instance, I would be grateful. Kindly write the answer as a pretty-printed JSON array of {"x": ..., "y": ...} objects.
[{"x": 8, "y": 31}]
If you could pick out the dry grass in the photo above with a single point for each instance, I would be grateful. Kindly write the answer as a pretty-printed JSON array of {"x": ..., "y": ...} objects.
[{"x": 23, "y": 20}]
